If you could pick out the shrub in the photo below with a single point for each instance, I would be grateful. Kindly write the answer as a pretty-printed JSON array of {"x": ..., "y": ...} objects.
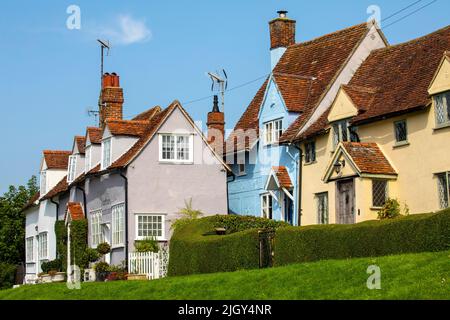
[
  {"x": 54, "y": 265},
  {"x": 91, "y": 255},
  {"x": 411, "y": 234},
  {"x": 101, "y": 267},
  {"x": 103, "y": 248},
  {"x": 235, "y": 223},
  {"x": 7, "y": 275},
  {"x": 146, "y": 245},
  {"x": 390, "y": 210},
  {"x": 195, "y": 248}
]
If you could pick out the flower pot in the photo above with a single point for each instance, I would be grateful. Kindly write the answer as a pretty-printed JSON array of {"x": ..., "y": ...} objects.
[
  {"x": 59, "y": 277},
  {"x": 138, "y": 277},
  {"x": 46, "y": 278}
]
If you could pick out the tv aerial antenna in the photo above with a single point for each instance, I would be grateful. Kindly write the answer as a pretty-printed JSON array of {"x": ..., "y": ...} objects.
[
  {"x": 93, "y": 113},
  {"x": 104, "y": 45},
  {"x": 219, "y": 81}
]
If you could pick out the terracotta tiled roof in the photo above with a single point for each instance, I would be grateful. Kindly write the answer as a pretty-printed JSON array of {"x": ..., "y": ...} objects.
[
  {"x": 303, "y": 75},
  {"x": 61, "y": 186},
  {"x": 369, "y": 158},
  {"x": 32, "y": 202},
  {"x": 81, "y": 144},
  {"x": 378, "y": 93},
  {"x": 399, "y": 77},
  {"x": 56, "y": 159},
  {"x": 321, "y": 126},
  {"x": 132, "y": 128},
  {"x": 149, "y": 114},
  {"x": 75, "y": 210},
  {"x": 94, "y": 134},
  {"x": 283, "y": 177}
]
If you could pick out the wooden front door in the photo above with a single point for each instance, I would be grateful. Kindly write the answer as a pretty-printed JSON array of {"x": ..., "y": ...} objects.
[{"x": 345, "y": 202}]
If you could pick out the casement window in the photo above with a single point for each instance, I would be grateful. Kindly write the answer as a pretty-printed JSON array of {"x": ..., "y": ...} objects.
[
  {"x": 401, "y": 131},
  {"x": 43, "y": 182},
  {"x": 106, "y": 153},
  {"x": 30, "y": 249},
  {"x": 272, "y": 131},
  {"x": 176, "y": 147},
  {"x": 342, "y": 132},
  {"x": 442, "y": 108},
  {"x": 266, "y": 206},
  {"x": 379, "y": 193},
  {"x": 241, "y": 169},
  {"x": 72, "y": 168},
  {"x": 310, "y": 152},
  {"x": 322, "y": 208},
  {"x": 87, "y": 159},
  {"x": 118, "y": 224},
  {"x": 150, "y": 226},
  {"x": 96, "y": 229},
  {"x": 43, "y": 245},
  {"x": 444, "y": 189}
]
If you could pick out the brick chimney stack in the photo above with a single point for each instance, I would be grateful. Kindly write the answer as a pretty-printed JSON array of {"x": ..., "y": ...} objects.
[
  {"x": 111, "y": 99},
  {"x": 216, "y": 127},
  {"x": 282, "y": 35}
]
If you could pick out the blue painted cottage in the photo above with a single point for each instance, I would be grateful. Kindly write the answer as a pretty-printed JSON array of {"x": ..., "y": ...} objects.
[{"x": 304, "y": 81}]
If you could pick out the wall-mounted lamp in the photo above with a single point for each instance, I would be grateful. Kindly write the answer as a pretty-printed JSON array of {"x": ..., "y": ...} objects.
[
  {"x": 338, "y": 166},
  {"x": 36, "y": 228}
]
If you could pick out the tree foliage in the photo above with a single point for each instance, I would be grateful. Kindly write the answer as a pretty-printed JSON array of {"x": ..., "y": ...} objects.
[{"x": 12, "y": 221}]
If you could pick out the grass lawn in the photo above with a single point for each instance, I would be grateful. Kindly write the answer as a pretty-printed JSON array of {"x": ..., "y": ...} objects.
[{"x": 412, "y": 276}]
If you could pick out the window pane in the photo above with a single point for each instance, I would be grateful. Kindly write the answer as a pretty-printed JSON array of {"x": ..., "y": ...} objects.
[
  {"x": 379, "y": 193},
  {"x": 344, "y": 128},
  {"x": 322, "y": 208},
  {"x": 447, "y": 104},
  {"x": 401, "y": 131},
  {"x": 443, "y": 189},
  {"x": 168, "y": 147},
  {"x": 354, "y": 137},
  {"x": 440, "y": 109}
]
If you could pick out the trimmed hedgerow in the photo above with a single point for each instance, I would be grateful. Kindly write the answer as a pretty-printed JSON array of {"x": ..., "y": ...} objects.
[
  {"x": 195, "y": 247},
  {"x": 412, "y": 234}
]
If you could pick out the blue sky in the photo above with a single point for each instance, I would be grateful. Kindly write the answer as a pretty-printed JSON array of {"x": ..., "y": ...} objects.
[{"x": 161, "y": 50}]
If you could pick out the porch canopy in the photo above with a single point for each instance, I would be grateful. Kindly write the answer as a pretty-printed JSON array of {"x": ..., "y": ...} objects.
[
  {"x": 356, "y": 159},
  {"x": 279, "y": 180}
]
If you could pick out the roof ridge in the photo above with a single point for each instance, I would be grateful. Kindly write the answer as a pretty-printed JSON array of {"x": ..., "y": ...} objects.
[
  {"x": 327, "y": 35},
  {"x": 57, "y": 151}
]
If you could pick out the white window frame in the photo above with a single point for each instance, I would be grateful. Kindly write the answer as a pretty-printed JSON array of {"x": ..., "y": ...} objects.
[
  {"x": 43, "y": 251},
  {"x": 163, "y": 226},
  {"x": 268, "y": 207},
  {"x": 105, "y": 163},
  {"x": 30, "y": 250},
  {"x": 72, "y": 168},
  {"x": 445, "y": 105},
  {"x": 118, "y": 225},
  {"x": 272, "y": 131},
  {"x": 96, "y": 228},
  {"x": 176, "y": 158},
  {"x": 87, "y": 159},
  {"x": 43, "y": 183}
]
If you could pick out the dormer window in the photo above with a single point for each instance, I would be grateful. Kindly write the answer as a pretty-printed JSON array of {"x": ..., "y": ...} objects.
[
  {"x": 106, "y": 153},
  {"x": 342, "y": 132},
  {"x": 442, "y": 108},
  {"x": 273, "y": 131},
  {"x": 72, "y": 167},
  {"x": 43, "y": 182}
]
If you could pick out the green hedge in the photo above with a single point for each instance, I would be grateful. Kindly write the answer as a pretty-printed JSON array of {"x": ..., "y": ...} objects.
[
  {"x": 415, "y": 233},
  {"x": 195, "y": 248},
  {"x": 7, "y": 275}
]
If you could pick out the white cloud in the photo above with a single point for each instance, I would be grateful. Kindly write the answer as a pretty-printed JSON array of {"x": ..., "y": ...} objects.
[{"x": 127, "y": 30}]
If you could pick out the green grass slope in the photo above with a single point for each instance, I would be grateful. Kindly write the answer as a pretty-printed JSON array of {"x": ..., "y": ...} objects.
[{"x": 412, "y": 276}]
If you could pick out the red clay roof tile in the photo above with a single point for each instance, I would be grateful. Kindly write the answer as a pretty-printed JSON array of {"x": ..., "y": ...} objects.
[
  {"x": 75, "y": 210},
  {"x": 134, "y": 128},
  {"x": 369, "y": 158},
  {"x": 283, "y": 177},
  {"x": 81, "y": 144},
  {"x": 94, "y": 134},
  {"x": 61, "y": 186},
  {"x": 56, "y": 159}
]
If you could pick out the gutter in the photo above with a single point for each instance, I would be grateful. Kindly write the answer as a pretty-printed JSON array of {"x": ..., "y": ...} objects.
[
  {"x": 126, "y": 218},
  {"x": 299, "y": 184},
  {"x": 57, "y": 207}
]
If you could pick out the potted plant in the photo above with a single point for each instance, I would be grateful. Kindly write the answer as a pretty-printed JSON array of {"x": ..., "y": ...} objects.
[{"x": 45, "y": 277}]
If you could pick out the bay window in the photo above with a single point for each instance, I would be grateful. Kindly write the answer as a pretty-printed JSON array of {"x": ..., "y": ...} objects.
[
  {"x": 30, "y": 249},
  {"x": 176, "y": 147},
  {"x": 96, "y": 230},
  {"x": 43, "y": 245},
  {"x": 150, "y": 226}
]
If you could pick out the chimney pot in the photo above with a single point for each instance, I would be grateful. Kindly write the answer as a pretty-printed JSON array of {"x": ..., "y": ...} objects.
[{"x": 282, "y": 13}]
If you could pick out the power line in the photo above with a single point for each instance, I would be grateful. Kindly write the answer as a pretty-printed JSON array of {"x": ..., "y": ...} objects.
[
  {"x": 401, "y": 10},
  {"x": 411, "y": 13}
]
